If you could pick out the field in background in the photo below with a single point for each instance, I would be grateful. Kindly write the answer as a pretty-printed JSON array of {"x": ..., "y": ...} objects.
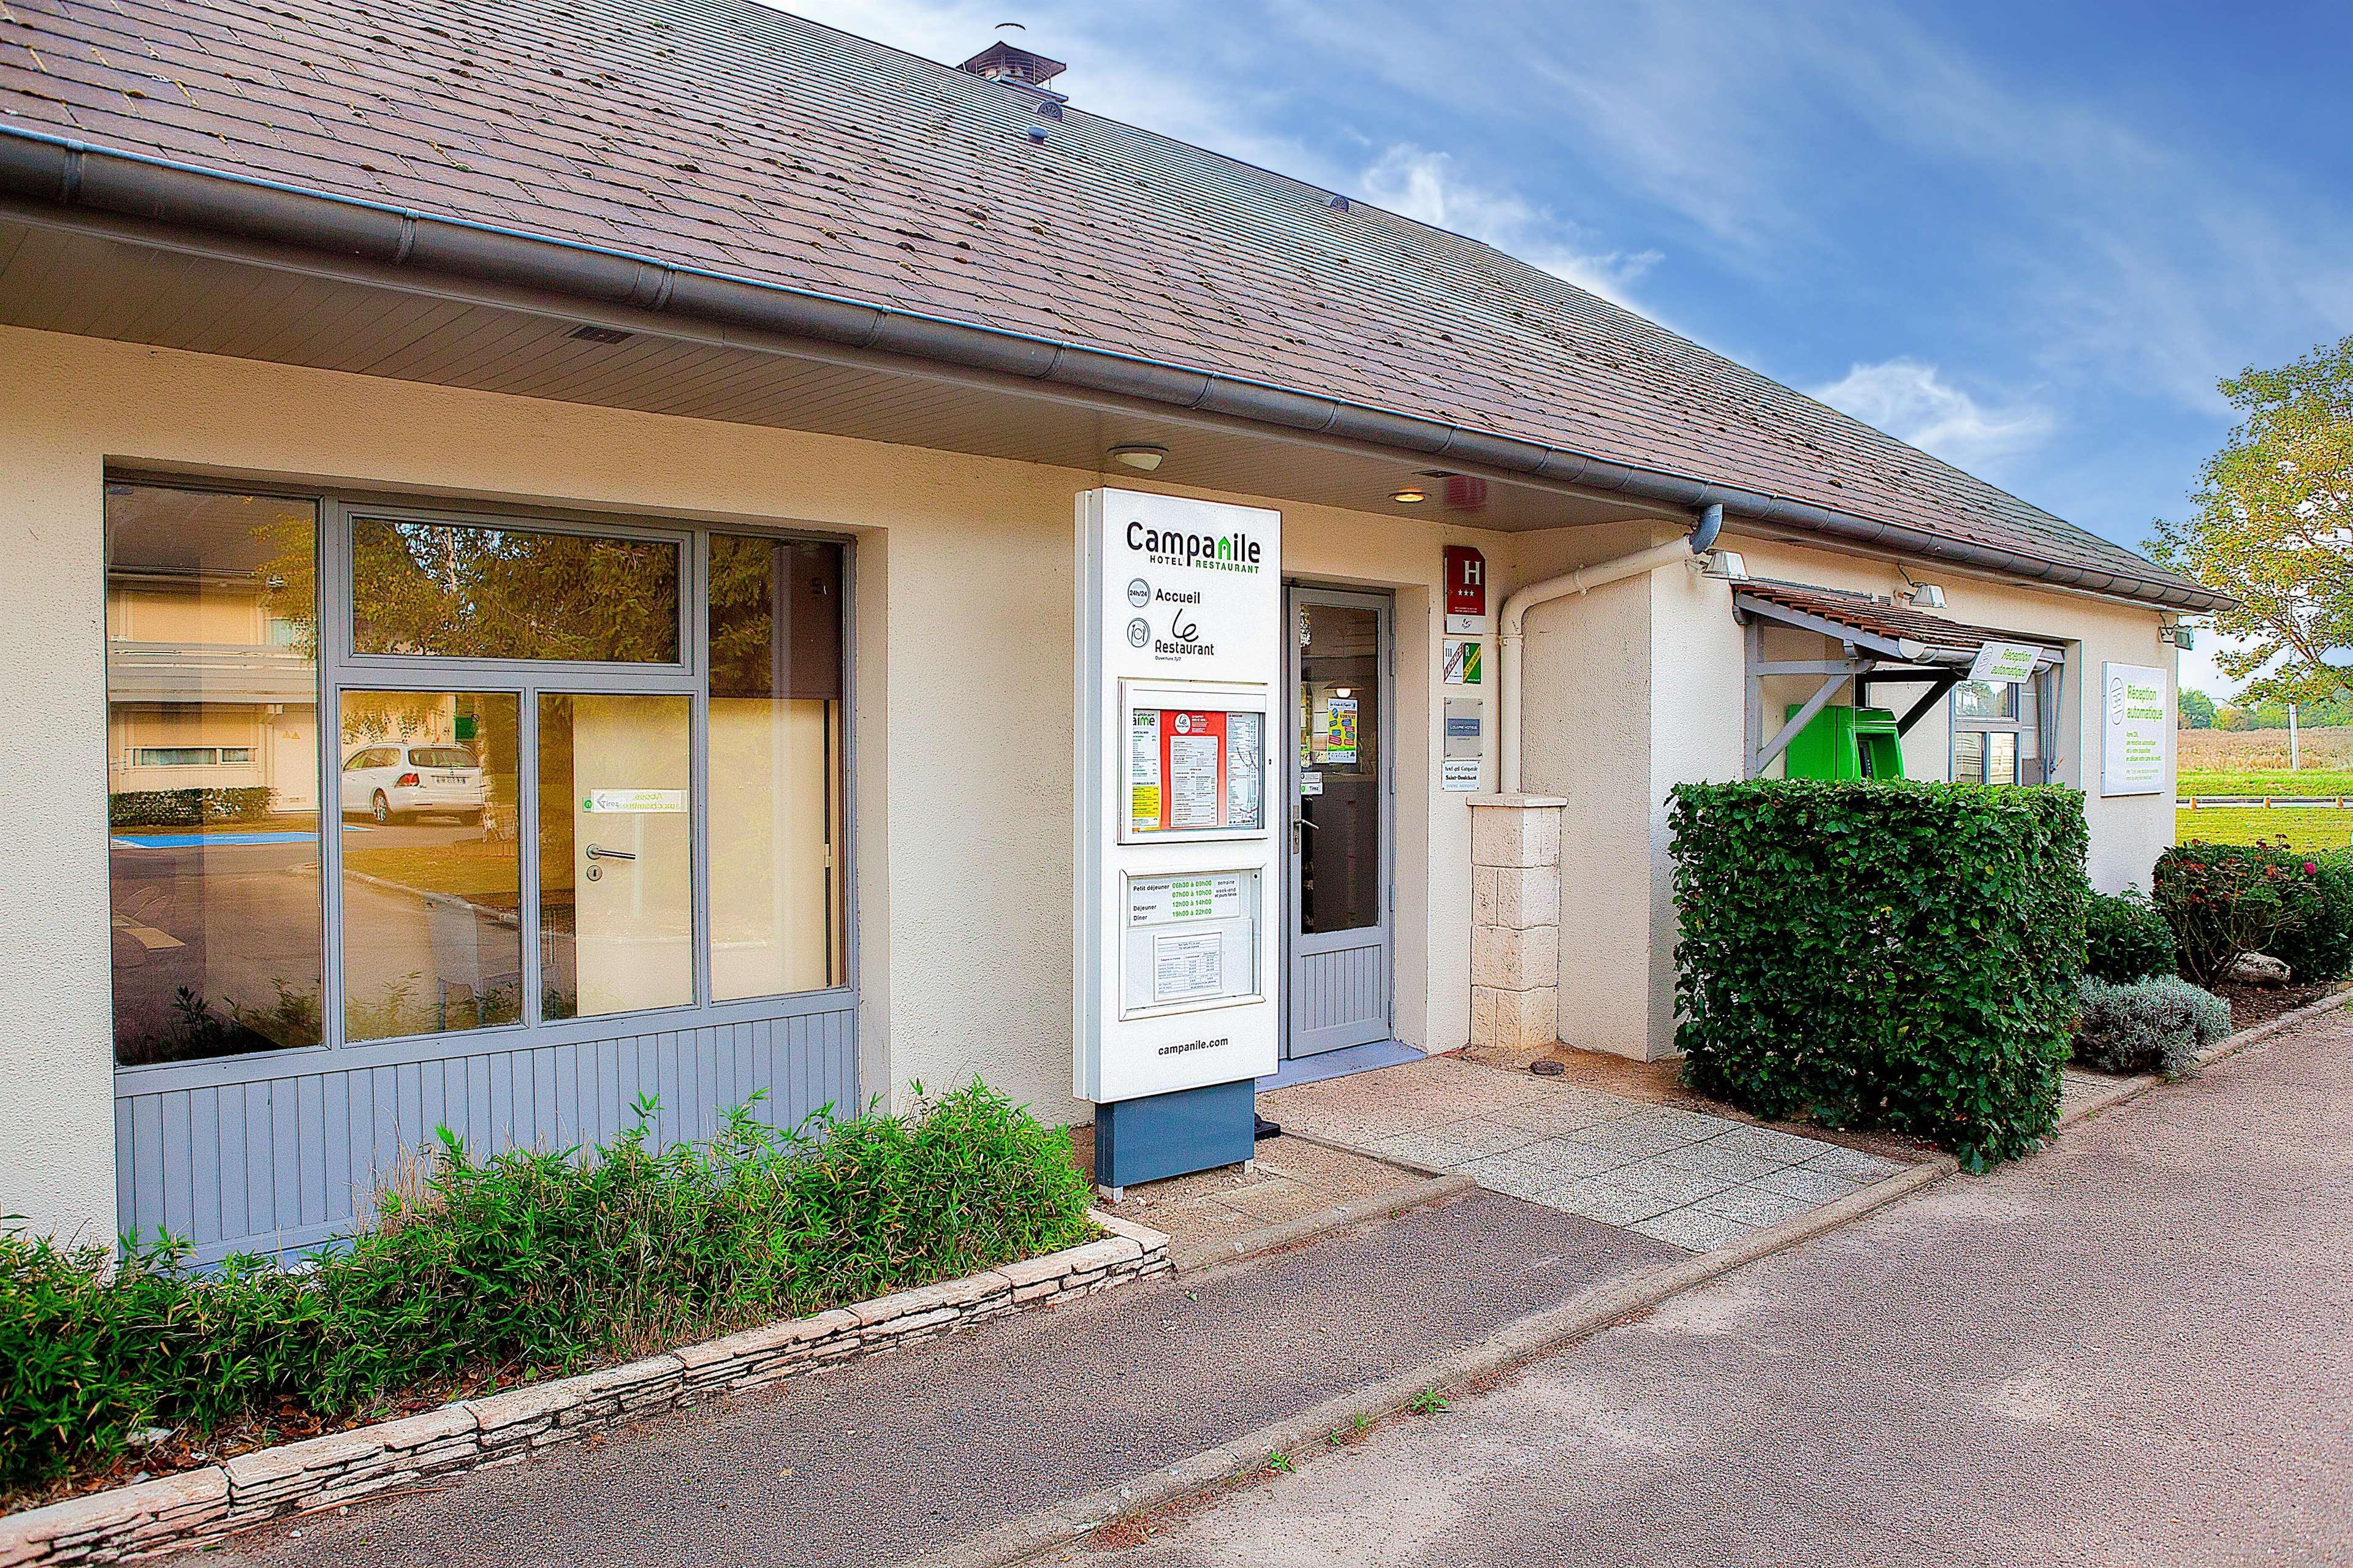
[
  {"x": 2307, "y": 828},
  {"x": 2205, "y": 752}
]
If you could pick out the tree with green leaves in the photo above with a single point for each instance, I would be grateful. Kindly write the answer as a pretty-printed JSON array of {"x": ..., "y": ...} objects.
[
  {"x": 2197, "y": 709},
  {"x": 2274, "y": 529}
]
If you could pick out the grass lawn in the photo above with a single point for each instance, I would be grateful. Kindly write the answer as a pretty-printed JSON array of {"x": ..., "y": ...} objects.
[
  {"x": 2310, "y": 781},
  {"x": 2310, "y": 828},
  {"x": 482, "y": 871}
]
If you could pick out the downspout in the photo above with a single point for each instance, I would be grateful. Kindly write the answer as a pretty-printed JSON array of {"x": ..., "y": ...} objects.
[{"x": 1583, "y": 579}]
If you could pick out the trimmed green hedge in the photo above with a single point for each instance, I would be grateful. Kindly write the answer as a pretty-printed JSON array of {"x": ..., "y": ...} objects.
[
  {"x": 186, "y": 807},
  {"x": 2126, "y": 938},
  {"x": 1881, "y": 954},
  {"x": 524, "y": 1265}
]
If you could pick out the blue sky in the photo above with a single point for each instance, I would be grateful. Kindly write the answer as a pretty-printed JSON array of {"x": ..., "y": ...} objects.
[{"x": 2026, "y": 236}]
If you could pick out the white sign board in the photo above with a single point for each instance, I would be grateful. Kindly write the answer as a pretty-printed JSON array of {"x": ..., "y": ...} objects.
[
  {"x": 2136, "y": 728},
  {"x": 2004, "y": 662},
  {"x": 1180, "y": 660},
  {"x": 1458, "y": 775}
]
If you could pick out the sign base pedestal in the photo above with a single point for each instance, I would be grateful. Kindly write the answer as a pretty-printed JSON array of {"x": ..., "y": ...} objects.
[{"x": 1175, "y": 1134}]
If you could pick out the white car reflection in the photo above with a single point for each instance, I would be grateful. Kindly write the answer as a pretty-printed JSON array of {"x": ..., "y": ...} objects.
[{"x": 392, "y": 783}]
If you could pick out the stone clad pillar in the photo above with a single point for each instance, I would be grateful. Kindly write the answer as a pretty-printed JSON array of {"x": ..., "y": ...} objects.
[{"x": 1515, "y": 922}]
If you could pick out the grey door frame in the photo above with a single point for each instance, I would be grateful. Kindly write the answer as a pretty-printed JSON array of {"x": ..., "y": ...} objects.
[{"x": 1294, "y": 944}]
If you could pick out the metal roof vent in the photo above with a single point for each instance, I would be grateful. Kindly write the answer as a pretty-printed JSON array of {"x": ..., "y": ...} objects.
[{"x": 1002, "y": 62}]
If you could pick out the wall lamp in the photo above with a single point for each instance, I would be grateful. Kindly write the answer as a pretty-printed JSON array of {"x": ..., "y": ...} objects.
[{"x": 1142, "y": 458}]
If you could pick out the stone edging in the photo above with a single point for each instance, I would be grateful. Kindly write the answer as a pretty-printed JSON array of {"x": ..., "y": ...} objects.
[{"x": 193, "y": 1507}]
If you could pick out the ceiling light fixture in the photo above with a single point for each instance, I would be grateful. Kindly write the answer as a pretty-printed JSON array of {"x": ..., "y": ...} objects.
[
  {"x": 1142, "y": 458},
  {"x": 1409, "y": 496}
]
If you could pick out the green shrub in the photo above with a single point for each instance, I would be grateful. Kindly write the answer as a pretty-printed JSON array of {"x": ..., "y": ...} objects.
[
  {"x": 186, "y": 807},
  {"x": 1892, "y": 954},
  {"x": 2126, "y": 938},
  {"x": 2150, "y": 1026},
  {"x": 2226, "y": 900},
  {"x": 2316, "y": 938},
  {"x": 524, "y": 1264}
]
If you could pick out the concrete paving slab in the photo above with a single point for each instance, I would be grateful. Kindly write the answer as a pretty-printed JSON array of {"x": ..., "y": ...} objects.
[
  {"x": 1677, "y": 1185},
  {"x": 1852, "y": 1164},
  {"x": 1694, "y": 1228},
  {"x": 1565, "y": 1110},
  {"x": 1815, "y": 1186},
  {"x": 1547, "y": 1162},
  {"x": 1713, "y": 1158},
  {"x": 1576, "y": 1145},
  {"x": 1610, "y": 1202},
  {"x": 1754, "y": 1206}
]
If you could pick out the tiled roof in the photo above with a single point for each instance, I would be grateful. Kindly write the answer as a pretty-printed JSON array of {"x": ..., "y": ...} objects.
[
  {"x": 1878, "y": 617},
  {"x": 724, "y": 135}
]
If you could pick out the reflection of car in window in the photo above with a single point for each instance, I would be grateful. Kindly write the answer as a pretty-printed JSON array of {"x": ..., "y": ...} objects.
[{"x": 390, "y": 783}]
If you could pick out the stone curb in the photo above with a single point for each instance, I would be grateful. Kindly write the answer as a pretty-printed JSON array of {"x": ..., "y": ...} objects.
[
  {"x": 1194, "y": 1257},
  {"x": 1018, "y": 1540},
  {"x": 195, "y": 1507}
]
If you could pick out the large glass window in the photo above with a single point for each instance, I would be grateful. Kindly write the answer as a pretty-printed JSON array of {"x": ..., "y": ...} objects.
[
  {"x": 616, "y": 868},
  {"x": 212, "y": 771},
  {"x": 218, "y": 771},
  {"x": 775, "y": 767},
  {"x": 432, "y": 886},
  {"x": 471, "y": 591}
]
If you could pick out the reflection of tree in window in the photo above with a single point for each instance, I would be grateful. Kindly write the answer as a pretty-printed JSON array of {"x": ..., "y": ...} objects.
[
  {"x": 456, "y": 590},
  {"x": 212, "y": 771}
]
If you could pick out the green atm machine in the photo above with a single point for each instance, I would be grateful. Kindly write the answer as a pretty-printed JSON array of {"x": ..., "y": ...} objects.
[{"x": 1845, "y": 743}]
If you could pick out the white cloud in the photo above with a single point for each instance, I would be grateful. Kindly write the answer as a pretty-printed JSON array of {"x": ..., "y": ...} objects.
[
  {"x": 1913, "y": 401},
  {"x": 1207, "y": 99},
  {"x": 1424, "y": 186}
]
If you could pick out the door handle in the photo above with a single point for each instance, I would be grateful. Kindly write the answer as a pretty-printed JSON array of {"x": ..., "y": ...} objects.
[{"x": 595, "y": 853}]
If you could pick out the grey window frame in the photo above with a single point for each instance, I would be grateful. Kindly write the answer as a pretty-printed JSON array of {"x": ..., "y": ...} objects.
[
  {"x": 2037, "y": 729},
  {"x": 339, "y": 669}
]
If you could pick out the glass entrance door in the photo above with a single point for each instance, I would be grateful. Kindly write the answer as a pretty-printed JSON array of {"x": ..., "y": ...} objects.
[{"x": 1339, "y": 927}]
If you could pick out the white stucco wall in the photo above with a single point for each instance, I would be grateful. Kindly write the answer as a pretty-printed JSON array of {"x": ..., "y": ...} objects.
[
  {"x": 1637, "y": 687},
  {"x": 1585, "y": 737},
  {"x": 962, "y": 787}
]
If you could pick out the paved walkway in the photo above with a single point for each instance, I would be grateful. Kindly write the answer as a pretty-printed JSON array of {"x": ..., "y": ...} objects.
[
  {"x": 1205, "y": 1213},
  {"x": 879, "y": 1461},
  {"x": 2133, "y": 1349},
  {"x": 1674, "y": 1175}
]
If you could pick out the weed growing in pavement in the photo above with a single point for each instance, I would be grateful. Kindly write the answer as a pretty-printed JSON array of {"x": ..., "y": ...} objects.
[
  {"x": 1429, "y": 1402},
  {"x": 1279, "y": 1462}
]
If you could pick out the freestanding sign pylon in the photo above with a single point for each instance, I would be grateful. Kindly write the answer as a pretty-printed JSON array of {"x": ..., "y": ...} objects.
[{"x": 1179, "y": 665}]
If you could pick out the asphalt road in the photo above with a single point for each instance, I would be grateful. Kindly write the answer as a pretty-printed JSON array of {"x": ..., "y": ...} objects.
[
  {"x": 2135, "y": 1348},
  {"x": 871, "y": 1463}
]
